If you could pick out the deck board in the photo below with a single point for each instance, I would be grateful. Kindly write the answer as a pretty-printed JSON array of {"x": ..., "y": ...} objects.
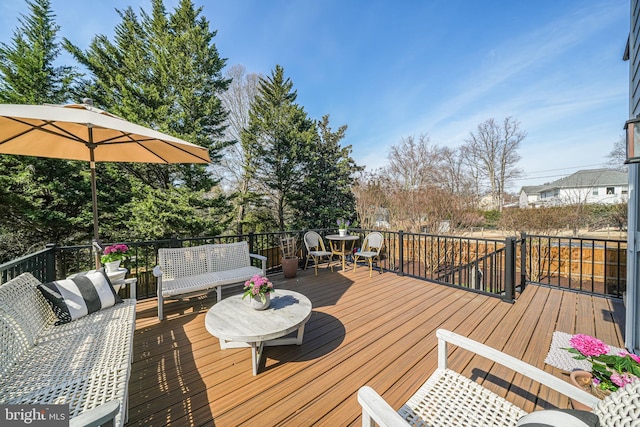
[{"x": 378, "y": 331}]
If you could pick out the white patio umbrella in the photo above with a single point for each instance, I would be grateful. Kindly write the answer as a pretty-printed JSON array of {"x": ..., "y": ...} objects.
[{"x": 83, "y": 132}]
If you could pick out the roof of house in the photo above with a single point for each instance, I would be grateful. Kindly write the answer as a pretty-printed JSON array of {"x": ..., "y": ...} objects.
[
  {"x": 583, "y": 179},
  {"x": 532, "y": 189},
  {"x": 591, "y": 178}
]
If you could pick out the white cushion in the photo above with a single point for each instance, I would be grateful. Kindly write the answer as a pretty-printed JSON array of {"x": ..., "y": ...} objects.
[{"x": 74, "y": 298}]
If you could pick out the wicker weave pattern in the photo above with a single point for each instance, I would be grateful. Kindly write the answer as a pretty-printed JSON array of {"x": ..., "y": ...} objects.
[
  {"x": 12, "y": 343},
  {"x": 449, "y": 399},
  {"x": 22, "y": 301},
  {"x": 183, "y": 262},
  {"x": 621, "y": 408},
  {"x": 84, "y": 363},
  {"x": 228, "y": 256}
]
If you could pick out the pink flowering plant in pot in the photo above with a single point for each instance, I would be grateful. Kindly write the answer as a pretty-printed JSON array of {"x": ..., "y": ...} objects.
[
  {"x": 258, "y": 286},
  {"x": 609, "y": 372},
  {"x": 118, "y": 252}
]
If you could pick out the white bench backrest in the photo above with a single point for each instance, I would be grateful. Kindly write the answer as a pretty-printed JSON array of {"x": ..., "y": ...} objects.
[
  {"x": 183, "y": 262},
  {"x": 21, "y": 300},
  {"x": 23, "y": 314},
  {"x": 228, "y": 256}
]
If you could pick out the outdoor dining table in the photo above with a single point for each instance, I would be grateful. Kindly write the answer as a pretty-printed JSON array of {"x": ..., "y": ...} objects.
[{"x": 342, "y": 246}]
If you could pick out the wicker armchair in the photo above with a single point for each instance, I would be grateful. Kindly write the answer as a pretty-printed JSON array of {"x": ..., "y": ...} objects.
[
  {"x": 316, "y": 250},
  {"x": 450, "y": 399},
  {"x": 371, "y": 247}
]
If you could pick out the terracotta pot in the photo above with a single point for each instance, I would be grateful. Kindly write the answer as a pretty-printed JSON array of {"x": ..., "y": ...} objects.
[
  {"x": 584, "y": 380},
  {"x": 290, "y": 267}
]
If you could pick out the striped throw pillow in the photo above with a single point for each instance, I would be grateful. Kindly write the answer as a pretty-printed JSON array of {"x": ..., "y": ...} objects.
[
  {"x": 74, "y": 298},
  {"x": 559, "y": 418}
]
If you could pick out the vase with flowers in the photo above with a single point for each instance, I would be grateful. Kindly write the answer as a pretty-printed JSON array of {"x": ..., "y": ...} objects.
[
  {"x": 259, "y": 288},
  {"x": 343, "y": 226},
  {"x": 113, "y": 255},
  {"x": 608, "y": 371}
]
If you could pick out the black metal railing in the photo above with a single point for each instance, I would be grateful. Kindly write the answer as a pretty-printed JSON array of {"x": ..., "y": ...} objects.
[
  {"x": 471, "y": 263},
  {"x": 590, "y": 265},
  {"x": 493, "y": 267}
]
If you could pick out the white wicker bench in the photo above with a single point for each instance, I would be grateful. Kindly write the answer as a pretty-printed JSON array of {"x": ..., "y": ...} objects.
[
  {"x": 85, "y": 363},
  {"x": 186, "y": 272},
  {"x": 448, "y": 398}
]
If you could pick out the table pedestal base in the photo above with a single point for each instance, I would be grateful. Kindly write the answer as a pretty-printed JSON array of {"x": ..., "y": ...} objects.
[{"x": 257, "y": 348}]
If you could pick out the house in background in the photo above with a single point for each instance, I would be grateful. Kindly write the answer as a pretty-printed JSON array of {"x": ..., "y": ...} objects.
[
  {"x": 530, "y": 195},
  {"x": 608, "y": 186}
]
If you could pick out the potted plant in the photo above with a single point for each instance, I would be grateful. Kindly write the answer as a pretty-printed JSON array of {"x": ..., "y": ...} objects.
[
  {"x": 289, "y": 249},
  {"x": 343, "y": 226},
  {"x": 113, "y": 255},
  {"x": 259, "y": 288},
  {"x": 608, "y": 372}
]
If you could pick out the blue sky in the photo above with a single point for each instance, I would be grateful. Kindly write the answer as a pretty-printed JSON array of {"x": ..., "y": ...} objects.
[{"x": 390, "y": 69}]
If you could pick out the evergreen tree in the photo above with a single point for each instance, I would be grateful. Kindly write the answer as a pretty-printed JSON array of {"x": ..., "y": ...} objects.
[
  {"x": 27, "y": 70},
  {"x": 326, "y": 193},
  {"x": 281, "y": 135},
  {"x": 162, "y": 71},
  {"x": 44, "y": 200}
]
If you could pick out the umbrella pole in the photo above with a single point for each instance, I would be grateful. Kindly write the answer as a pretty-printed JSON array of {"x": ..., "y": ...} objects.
[{"x": 94, "y": 195}]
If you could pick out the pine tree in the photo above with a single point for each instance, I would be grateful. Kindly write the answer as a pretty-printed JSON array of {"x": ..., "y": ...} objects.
[
  {"x": 43, "y": 200},
  {"x": 326, "y": 193},
  {"x": 27, "y": 70},
  {"x": 281, "y": 135},
  {"x": 162, "y": 71}
]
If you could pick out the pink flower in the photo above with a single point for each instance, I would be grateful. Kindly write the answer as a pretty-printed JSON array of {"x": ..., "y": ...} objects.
[
  {"x": 588, "y": 346},
  {"x": 258, "y": 285},
  {"x": 622, "y": 380}
]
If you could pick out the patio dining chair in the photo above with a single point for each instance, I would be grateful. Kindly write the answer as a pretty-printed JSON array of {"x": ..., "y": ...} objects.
[
  {"x": 316, "y": 250},
  {"x": 371, "y": 248},
  {"x": 448, "y": 398}
]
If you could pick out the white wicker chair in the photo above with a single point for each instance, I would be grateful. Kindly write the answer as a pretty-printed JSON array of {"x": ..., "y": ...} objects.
[
  {"x": 449, "y": 399},
  {"x": 371, "y": 247},
  {"x": 316, "y": 250}
]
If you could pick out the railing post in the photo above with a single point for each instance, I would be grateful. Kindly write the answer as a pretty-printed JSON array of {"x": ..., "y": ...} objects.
[
  {"x": 50, "y": 264},
  {"x": 401, "y": 253},
  {"x": 175, "y": 242},
  {"x": 523, "y": 261},
  {"x": 251, "y": 236},
  {"x": 509, "y": 268}
]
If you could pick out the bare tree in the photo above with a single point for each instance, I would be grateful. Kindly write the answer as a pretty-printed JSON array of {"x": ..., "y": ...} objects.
[
  {"x": 237, "y": 102},
  {"x": 236, "y": 167},
  {"x": 618, "y": 154},
  {"x": 371, "y": 202},
  {"x": 472, "y": 167},
  {"x": 495, "y": 146},
  {"x": 456, "y": 175},
  {"x": 413, "y": 163}
]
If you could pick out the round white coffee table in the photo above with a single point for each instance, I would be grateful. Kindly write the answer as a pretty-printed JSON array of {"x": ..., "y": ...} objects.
[{"x": 236, "y": 324}]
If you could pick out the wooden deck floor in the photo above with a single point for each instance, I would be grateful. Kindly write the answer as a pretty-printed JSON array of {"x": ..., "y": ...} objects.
[{"x": 378, "y": 331}]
